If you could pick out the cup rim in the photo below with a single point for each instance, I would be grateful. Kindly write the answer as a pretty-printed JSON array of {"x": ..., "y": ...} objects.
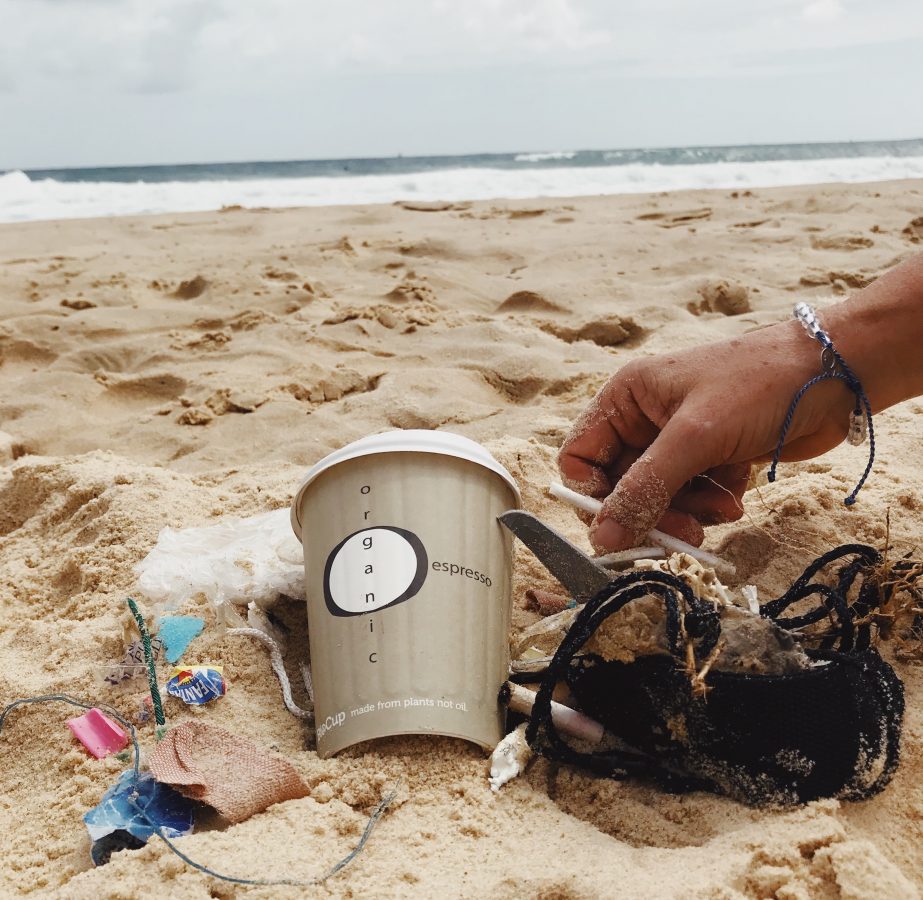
[{"x": 409, "y": 440}]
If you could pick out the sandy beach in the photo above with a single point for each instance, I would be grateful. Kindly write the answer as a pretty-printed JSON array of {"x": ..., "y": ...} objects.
[{"x": 169, "y": 370}]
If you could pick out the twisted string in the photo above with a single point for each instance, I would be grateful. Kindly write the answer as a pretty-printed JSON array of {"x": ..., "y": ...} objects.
[
  {"x": 835, "y": 367},
  {"x": 149, "y": 658},
  {"x": 278, "y": 666}
]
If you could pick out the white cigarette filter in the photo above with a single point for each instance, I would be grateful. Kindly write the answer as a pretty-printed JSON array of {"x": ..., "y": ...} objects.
[
  {"x": 568, "y": 720},
  {"x": 408, "y": 583}
]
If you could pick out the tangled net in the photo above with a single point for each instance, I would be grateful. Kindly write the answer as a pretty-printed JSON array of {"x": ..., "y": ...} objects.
[{"x": 832, "y": 729}]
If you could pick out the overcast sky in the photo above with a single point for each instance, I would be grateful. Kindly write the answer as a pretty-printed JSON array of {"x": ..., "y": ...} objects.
[{"x": 95, "y": 82}]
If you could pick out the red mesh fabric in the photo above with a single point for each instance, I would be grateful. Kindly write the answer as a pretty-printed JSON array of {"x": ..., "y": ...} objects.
[{"x": 224, "y": 771}]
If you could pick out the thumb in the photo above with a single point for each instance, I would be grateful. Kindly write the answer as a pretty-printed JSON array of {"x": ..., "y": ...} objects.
[{"x": 685, "y": 448}]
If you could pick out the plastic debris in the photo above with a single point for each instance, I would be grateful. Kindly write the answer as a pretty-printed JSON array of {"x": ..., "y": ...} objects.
[
  {"x": 234, "y": 561},
  {"x": 145, "y": 709},
  {"x": 133, "y": 810},
  {"x": 98, "y": 733},
  {"x": 133, "y": 663},
  {"x": 751, "y": 596},
  {"x": 177, "y": 633},
  {"x": 224, "y": 770},
  {"x": 196, "y": 685},
  {"x": 511, "y": 756}
]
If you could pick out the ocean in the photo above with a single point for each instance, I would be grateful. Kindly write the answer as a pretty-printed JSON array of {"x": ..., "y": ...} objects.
[{"x": 131, "y": 190}]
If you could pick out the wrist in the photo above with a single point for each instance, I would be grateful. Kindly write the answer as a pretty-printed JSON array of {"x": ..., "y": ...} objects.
[{"x": 879, "y": 332}]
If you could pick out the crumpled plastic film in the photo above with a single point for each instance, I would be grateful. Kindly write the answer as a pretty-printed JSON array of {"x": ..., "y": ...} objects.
[
  {"x": 117, "y": 823},
  {"x": 233, "y": 561},
  {"x": 223, "y": 770}
]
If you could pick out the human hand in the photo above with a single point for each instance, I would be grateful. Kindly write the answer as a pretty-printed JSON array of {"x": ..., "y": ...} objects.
[{"x": 669, "y": 440}]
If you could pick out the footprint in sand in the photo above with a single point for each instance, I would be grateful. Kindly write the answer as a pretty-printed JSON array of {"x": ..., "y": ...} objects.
[
  {"x": 914, "y": 230},
  {"x": 126, "y": 357},
  {"x": 274, "y": 274},
  {"x": 412, "y": 287},
  {"x": 755, "y": 223},
  {"x": 226, "y": 400},
  {"x": 154, "y": 387},
  {"x": 78, "y": 304},
  {"x": 608, "y": 332},
  {"x": 334, "y": 386},
  {"x": 15, "y": 349},
  {"x": 529, "y": 301},
  {"x": 841, "y": 242},
  {"x": 210, "y": 341},
  {"x": 675, "y": 219},
  {"x": 10, "y": 449},
  {"x": 729, "y": 298},
  {"x": 189, "y": 290},
  {"x": 343, "y": 245},
  {"x": 521, "y": 375},
  {"x": 430, "y": 248},
  {"x": 839, "y": 281}
]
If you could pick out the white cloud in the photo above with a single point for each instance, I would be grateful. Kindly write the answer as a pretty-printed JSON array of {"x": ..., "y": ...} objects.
[
  {"x": 823, "y": 11},
  {"x": 341, "y": 73},
  {"x": 225, "y": 45},
  {"x": 539, "y": 25}
]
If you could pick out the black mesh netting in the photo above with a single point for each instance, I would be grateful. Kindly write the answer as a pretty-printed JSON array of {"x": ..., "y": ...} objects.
[{"x": 829, "y": 730}]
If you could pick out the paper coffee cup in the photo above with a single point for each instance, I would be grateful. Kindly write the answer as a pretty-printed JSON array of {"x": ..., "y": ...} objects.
[{"x": 408, "y": 580}]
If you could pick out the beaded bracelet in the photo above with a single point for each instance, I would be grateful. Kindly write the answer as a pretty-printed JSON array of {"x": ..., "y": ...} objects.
[{"x": 834, "y": 366}]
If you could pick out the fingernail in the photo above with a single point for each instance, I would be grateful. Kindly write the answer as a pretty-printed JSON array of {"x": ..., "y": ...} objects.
[{"x": 608, "y": 535}]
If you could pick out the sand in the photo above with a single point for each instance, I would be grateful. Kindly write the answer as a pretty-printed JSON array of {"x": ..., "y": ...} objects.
[{"x": 172, "y": 369}]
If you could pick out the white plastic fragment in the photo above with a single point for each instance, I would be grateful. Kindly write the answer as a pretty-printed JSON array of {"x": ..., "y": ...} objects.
[
  {"x": 620, "y": 557},
  {"x": 255, "y": 559},
  {"x": 750, "y": 595},
  {"x": 509, "y": 758},
  {"x": 667, "y": 541}
]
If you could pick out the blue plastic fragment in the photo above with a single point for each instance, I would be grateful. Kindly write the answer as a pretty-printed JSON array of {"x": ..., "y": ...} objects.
[
  {"x": 162, "y": 807},
  {"x": 177, "y": 633}
]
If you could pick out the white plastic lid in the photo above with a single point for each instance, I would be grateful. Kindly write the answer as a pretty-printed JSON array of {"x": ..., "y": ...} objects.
[{"x": 410, "y": 440}]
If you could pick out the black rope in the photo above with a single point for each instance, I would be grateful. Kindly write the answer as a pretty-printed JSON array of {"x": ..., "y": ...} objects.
[
  {"x": 683, "y": 608},
  {"x": 854, "y": 569}
]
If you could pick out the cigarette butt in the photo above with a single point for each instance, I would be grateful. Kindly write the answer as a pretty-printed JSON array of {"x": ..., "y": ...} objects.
[{"x": 568, "y": 720}]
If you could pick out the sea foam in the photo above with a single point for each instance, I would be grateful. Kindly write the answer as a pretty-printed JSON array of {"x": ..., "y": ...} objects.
[{"x": 22, "y": 198}]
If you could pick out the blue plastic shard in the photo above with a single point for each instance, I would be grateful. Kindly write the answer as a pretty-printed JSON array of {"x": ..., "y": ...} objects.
[
  {"x": 177, "y": 633},
  {"x": 137, "y": 807}
]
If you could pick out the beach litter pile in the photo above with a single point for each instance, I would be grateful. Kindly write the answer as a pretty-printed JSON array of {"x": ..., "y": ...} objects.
[
  {"x": 664, "y": 673},
  {"x": 194, "y": 765}
]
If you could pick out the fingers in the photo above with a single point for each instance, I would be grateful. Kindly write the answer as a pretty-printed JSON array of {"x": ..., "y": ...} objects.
[
  {"x": 611, "y": 425},
  {"x": 610, "y": 535},
  {"x": 686, "y": 447},
  {"x": 717, "y": 496}
]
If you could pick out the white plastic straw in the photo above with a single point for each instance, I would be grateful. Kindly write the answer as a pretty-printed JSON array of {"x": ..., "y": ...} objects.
[
  {"x": 667, "y": 541},
  {"x": 627, "y": 556}
]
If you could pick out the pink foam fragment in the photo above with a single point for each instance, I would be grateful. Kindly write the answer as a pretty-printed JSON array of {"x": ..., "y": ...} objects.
[{"x": 98, "y": 733}]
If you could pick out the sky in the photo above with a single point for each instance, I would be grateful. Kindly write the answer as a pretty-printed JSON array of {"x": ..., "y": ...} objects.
[{"x": 133, "y": 82}]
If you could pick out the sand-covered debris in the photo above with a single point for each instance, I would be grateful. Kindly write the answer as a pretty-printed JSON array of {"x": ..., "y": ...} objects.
[{"x": 98, "y": 462}]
